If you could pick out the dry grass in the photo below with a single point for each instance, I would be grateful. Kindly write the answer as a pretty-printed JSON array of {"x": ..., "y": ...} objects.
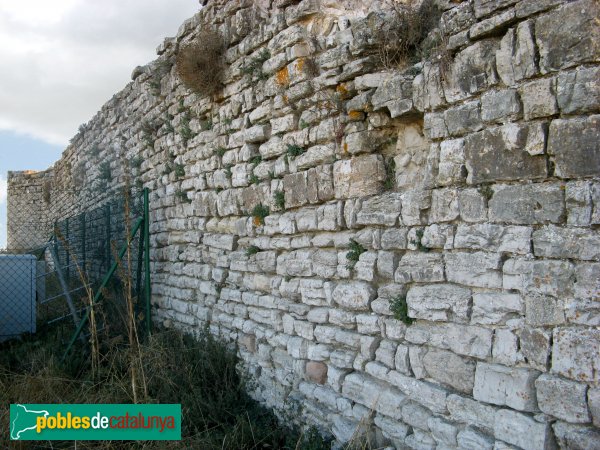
[{"x": 200, "y": 63}]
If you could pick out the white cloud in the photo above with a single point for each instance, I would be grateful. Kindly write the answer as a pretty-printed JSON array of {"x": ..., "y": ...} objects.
[
  {"x": 63, "y": 59},
  {"x": 3, "y": 188}
]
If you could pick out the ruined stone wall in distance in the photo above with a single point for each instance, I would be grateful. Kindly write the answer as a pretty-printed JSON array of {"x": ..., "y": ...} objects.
[{"x": 484, "y": 226}]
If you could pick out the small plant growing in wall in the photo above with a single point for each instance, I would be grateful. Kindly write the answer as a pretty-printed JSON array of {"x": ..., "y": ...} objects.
[
  {"x": 259, "y": 212},
  {"x": 390, "y": 173},
  {"x": 185, "y": 130},
  {"x": 399, "y": 309},
  {"x": 220, "y": 151},
  {"x": 182, "y": 196},
  {"x": 179, "y": 170},
  {"x": 255, "y": 161},
  {"x": 279, "y": 199},
  {"x": 253, "y": 179},
  {"x": 354, "y": 254},
  {"x": 253, "y": 68},
  {"x": 167, "y": 123},
  {"x": 418, "y": 242},
  {"x": 486, "y": 191},
  {"x": 294, "y": 150},
  {"x": 104, "y": 172},
  {"x": 252, "y": 250}
]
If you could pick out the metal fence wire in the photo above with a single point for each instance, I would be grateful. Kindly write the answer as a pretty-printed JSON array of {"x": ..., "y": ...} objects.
[{"x": 56, "y": 259}]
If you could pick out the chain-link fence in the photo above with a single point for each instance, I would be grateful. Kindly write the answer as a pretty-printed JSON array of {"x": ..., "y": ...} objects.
[{"x": 56, "y": 261}]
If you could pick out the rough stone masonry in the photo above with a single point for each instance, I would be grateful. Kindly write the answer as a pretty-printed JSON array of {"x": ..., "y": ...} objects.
[{"x": 467, "y": 194}]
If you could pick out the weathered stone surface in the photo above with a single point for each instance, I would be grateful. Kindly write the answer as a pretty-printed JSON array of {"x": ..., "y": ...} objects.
[
  {"x": 359, "y": 176},
  {"x": 355, "y": 295},
  {"x": 485, "y": 7},
  {"x": 380, "y": 210},
  {"x": 527, "y": 204},
  {"x": 496, "y": 307},
  {"x": 500, "y": 154},
  {"x": 500, "y": 106},
  {"x": 578, "y": 91},
  {"x": 496, "y": 238},
  {"x": 373, "y": 394},
  {"x": 576, "y": 437},
  {"x": 479, "y": 269},
  {"x": 492, "y": 25},
  {"x": 443, "y": 431},
  {"x": 568, "y": 36},
  {"x": 502, "y": 385},
  {"x": 472, "y": 206},
  {"x": 395, "y": 94},
  {"x": 554, "y": 242},
  {"x": 575, "y": 354},
  {"x": 420, "y": 267},
  {"x": 452, "y": 160},
  {"x": 471, "y": 71},
  {"x": 471, "y": 439},
  {"x": 444, "y": 205},
  {"x": 450, "y": 369},
  {"x": 522, "y": 431},
  {"x": 563, "y": 399},
  {"x": 516, "y": 58},
  {"x": 535, "y": 346},
  {"x": 593, "y": 396},
  {"x": 439, "y": 302},
  {"x": 574, "y": 145},
  {"x": 462, "y": 340},
  {"x": 463, "y": 119},
  {"x": 428, "y": 395},
  {"x": 467, "y": 410},
  {"x": 539, "y": 98}
]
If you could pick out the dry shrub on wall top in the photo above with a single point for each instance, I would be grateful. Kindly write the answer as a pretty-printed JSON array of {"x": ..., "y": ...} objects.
[
  {"x": 201, "y": 63},
  {"x": 400, "y": 40}
]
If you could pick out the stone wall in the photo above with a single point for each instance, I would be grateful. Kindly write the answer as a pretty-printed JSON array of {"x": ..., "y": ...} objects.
[{"x": 428, "y": 271}]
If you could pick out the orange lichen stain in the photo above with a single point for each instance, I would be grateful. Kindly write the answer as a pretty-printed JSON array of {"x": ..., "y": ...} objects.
[
  {"x": 345, "y": 147},
  {"x": 342, "y": 91},
  {"x": 300, "y": 64},
  {"x": 286, "y": 99},
  {"x": 257, "y": 221},
  {"x": 355, "y": 115},
  {"x": 282, "y": 78}
]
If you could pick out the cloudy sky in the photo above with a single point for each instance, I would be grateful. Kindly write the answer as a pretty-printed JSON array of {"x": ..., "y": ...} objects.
[{"x": 63, "y": 59}]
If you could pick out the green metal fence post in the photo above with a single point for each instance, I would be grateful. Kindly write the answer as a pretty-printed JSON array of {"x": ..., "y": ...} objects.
[{"x": 147, "y": 258}]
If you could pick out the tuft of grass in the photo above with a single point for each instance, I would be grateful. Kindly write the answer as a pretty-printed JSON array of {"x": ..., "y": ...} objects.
[
  {"x": 354, "y": 254},
  {"x": 136, "y": 162},
  {"x": 399, "y": 308},
  {"x": 259, "y": 212},
  {"x": 182, "y": 196},
  {"x": 253, "y": 68},
  {"x": 279, "y": 199},
  {"x": 419, "y": 241},
  {"x": 486, "y": 191},
  {"x": 220, "y": 151},
  {"x": 179, "y": 170},
  {"x": 252, "y": 250},
  {"x": 294, "y": 150},
  {"x": 104, "y": 172},
  {"x": 253, "y": 179},
  {"x": 185, "y": 131},
  {"x": 201, "y": 63},
  {"x": 255, "y": 161}
]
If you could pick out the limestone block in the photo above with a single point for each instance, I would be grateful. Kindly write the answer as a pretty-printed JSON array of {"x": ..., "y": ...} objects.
[
  {"x": 355, "y": 295},
  {"x": 578, "y": 91},
  {"x": 578, "y": 199},
  {"x": 452, "y": 160},
  {"x": 486, "y": 7},
  {"x": 434, "y": 125},
  {"x": 464, "y": 118},
  {"x": 295, "y": 188},
  {"x": 444, "y": 205},
  {"x": 500, "y": 154},
  {"x": 516, "y": 58},
  {"x": 420, "y": 440},
  {"x": 387, "y": 262},
  {"x": 593, "y": 396},
  {"x": 450, "y": 369},
  {"x": 392, "y": 429},
  {"x": 479, "y": 269},
  {"x": 257, "y": 134},
  {"x": 395, "y": 93},
  {"x": 426, "y": 394},
  {"x": 471, "y": 71},
  {"x": 500, "y": 106},
  {"x": 401, "y": 360},
  {"x": 462, "y": 340},
  {"x": 521, "y": 430},
  {"x": 472, "y": 205},
  {"x": 415, "y": 202},
  {"x": 469, "y": 411},
  {"x": 568, "y": 35},
  {"x": 496, "y": 307},
  {"x": 457, "y": 19},
  {"x": 439, "y": 302},
  {"x": 416, "y": 415},
  {"x": 539, "y": 98},
  {"x": 576, "y": 436},
  {"x": 313, "y": 156},
  {"x": 563, "y": 399},
  {"x": 495, "y": 238},
  {"x": 415, "y": 356},
  {"x": 380, "y": 210},
  {"x": 527, "y": 204},
  {"x": 438, "y": 236},
  {"x": 471, "y": 439},
  {"x": 576, "y": 243},
  {"x": 420, "y": 267},
  {"x": 506, "y": 348},
  {"x": 575, "y": 354},
  {"x": 500, "y": 385},
  {"x": 386, "y": 353},
  {"x": 373, "y": 394},
  {"x": 394, "y": 239},
  {"x": 443, "y": 431},
  {"x": 358, "y": 177},
  {"x": 574, "y": 145}
]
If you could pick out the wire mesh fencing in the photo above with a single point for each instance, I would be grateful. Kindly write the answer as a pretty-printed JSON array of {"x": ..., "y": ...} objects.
[{"x": 57, "y": 259}]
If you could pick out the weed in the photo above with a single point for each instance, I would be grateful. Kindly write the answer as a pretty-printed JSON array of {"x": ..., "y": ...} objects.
[
  {"x": 95, "y": 150},
  {"x": 179, "y": 170},
  {"x": 419, "y": 241},
  {"x": 155, "y": 86},
  {"x": 279, "y": 198},
  {"x": 303, "y": 124},
  {"x": 220, "y": 151},
  {"x": 206, "y": 124},
  {"x": 354, "y": 254},
  {"x": 253, "y": 179},
  {"x": 136, "y": 162},
  {"x": 182, "y": 196},
  {"x": 104, "y": 172},
  {"x": 390, "y": 173},
  {"x": 272, "y": 175},
  {"x": 252, "y": 250},
  {"x": 294, "y": 150},
  {"x": 185, "y": 131},
  {"x": 201, "y": 63},
  {"x": 255, "y": 161},
  {"x": 168, "y": 124},
  {"x": 259, "y": 212},
  {"x": 399, "y": 308},
  {"x": 228, "y": 169},
  {"x": 253, "y": 68},
  {"x": 486, "y": 191}
]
